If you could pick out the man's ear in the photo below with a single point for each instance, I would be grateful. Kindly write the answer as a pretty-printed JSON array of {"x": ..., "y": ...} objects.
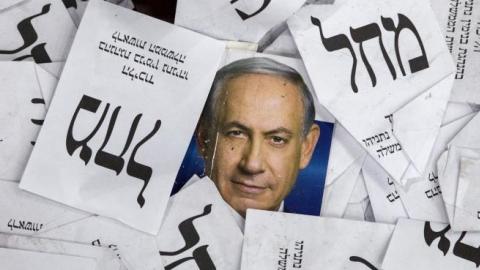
[{"x": 308, "y": 145}]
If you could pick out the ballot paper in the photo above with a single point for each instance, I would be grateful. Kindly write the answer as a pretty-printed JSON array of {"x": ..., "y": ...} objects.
[
  {"x": 460, "y": 23},
  {"x": 466, "y": 144},
  {"x": 54, "y": 68},
  {"x": 456, "y": 111},
  {"x": 24, "y": 93},
  {"x": 342, "y": 171},
  {"x": 359, "y": 206},
  {"x": 385, "y": 199},
  {"x": 150, "y": 75},
  {"x": 338, "y": 193},
  {"x": 364, "y": 83},
  {"x": 76, "y": 8},
  {"x": 276, "y": 240},
  {"x": 199, "y": 210},
  {"x": 14, "y": 259},
  {"x": 104, "y": 257},
  {"x": 427, "y": 245},
  {"x": 467, "y": 211},
  {"x": 38, "y": 30},
  {"x": 28, "y": 214},
  {"x": 244, "y": 20},
  {"x": 136, "y": 249},
  {"x": 422, "y": 196}
]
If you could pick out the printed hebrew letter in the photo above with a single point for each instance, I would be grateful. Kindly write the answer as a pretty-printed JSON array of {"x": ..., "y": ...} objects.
[
  {"x": 138, "y": 170},
  {"x": 362, "y": 260},
  {"x": 429, "y": 193},
  {"x": 389, "y": 181},
  {"x": 38, "y": 54},
  {"x": 467, "y": 252},
  {"x": 245, "y": 16},
  {"x": 398, "y": 147},
  {"x": 89, "y": 104},
  {"x": 188, "y": 232},
  {"x": 38, "y": 122},
  {"x": 27, "y": 32},
  {"x": 365, "y": 33},
  {"x": 417, "y": 63},
  {"x": 430, "y": 236},
  {"x": 109, "y": 160},
  {"x": 200, "y": 256},
  {"x": 70, "y": 3},
  {"x": 336, "y": 43}
]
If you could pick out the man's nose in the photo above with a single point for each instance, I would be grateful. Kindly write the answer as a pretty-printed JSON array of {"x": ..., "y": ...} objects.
[{"x": 253, "y": 157}]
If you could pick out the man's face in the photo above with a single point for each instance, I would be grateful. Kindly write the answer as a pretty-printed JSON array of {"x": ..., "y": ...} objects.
[{"x": 258, "y": 145}]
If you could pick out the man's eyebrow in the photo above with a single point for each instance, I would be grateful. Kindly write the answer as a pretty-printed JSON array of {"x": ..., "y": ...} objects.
[
  {"x": 280, "y": 130},
  {"x": 235, "y": 124}
]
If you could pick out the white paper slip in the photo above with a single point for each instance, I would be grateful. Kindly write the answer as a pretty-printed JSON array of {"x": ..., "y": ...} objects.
[
  {"x": 467, "y": 204},
  {"x": 244, "y": 20},
  {"x": 123, "y": 115},
  {"x": 199, "y": 230},
  {"x": 346, "y": 158},
  {"x": 370, "y": 60},
  {"x": 24, "y": 213},
  {"x": 359, "y": 206},
  {"x": 385, "y": 199},
  {"x": 425, "y": 245},
  {"x": 337, "y": 194},
  {"x": 104, "y": 257},
  {"x": 137, "y": 250},
  {"x": 276, "y": 240},
  {"x": 465, "y": 144},
  {"x": 417, "y": 134},
  {"x": 460, "y": 22},
  {"x": 38, "y": 30},
  {"x": 422, "y": 196},
  {"x": 48, "y": 83},
  {"x": 14, "y": 259},
  {"x": 22, "y": 111},
  {"x": 54, "y": 68},
  {"x": 456, "y": 111},
  {"x": 449, "y": 180}
]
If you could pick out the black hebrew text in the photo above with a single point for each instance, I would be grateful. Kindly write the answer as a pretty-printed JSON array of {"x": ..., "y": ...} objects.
[
  {"x": 246, "y": 16},
  {"x": 191, "y": 237},
  {"x": 371, "y": 31},
  {"x": 105, "y": 159}
]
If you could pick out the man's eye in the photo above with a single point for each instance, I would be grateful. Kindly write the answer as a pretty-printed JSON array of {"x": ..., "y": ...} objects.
[
  {"x": 277, "y": 140},
  {"x": 235, "y": 133}
]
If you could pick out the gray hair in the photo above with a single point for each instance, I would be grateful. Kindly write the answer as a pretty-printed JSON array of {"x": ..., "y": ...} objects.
[{"x": 259, "y": 65}]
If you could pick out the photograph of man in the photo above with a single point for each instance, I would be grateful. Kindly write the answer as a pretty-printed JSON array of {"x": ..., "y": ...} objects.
[{"x": 256, "y": 132}]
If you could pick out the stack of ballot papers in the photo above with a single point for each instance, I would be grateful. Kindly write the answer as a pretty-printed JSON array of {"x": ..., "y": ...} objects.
[{"x": 131, "y": 143}]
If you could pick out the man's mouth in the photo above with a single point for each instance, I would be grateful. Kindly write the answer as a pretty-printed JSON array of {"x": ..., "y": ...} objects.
[{"x": 248, "y": 188}]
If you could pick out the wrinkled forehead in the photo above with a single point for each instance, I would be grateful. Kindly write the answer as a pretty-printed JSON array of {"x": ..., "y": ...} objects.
[{"x": 262, "y": 97}]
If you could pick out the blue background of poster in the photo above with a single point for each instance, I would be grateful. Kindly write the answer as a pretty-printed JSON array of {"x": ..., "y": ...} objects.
[{"x": 306, "y": 195}]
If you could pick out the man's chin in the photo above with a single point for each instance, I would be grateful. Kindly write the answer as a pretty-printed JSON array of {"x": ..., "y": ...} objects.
[{"x": 243, "y": 204}]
